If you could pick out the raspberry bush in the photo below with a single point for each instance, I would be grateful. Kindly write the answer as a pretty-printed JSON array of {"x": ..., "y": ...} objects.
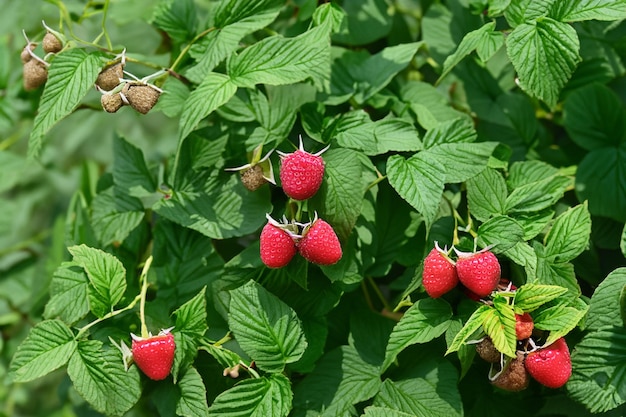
[{"x": 150, "y": 188}]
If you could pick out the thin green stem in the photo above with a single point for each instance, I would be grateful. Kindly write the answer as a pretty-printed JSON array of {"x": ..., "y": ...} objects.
[
  {"x": 105, "y": 10},
  {"x": 379, "y": 294},
  {"x": 108, "y": 316},
  {"x": 186, "y": 49},
  {"x": 143, "y": 279}
]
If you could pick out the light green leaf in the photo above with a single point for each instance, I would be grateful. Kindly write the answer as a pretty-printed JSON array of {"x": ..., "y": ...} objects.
[
  {"x": 374, "y": 411},
  {"x": 130, "y": 172},
  {"x": 473, "y": 324},
  {"x": 501, "y": 231},
  {"x": 486, "y": 194},
  {"x": 192, "y": 401},
  {"x": 604, "y": 308},
  {"x": 68, "y": 294},
  {"x": 544, "y": 54},
  {"x": 530, "y": 297},
  {"x": 499, "y": 324},
  {"x": 340, "y": 197},
  {"x": 277, "y": 60},
  {"x": 599, "y": 370},
  {"x": 422, "y": 322},
  {"x": 560, "y": 274},
  {"x": 172, "y": 102},
  {"x": 534, "y": 223},
  {"x": 266, "y": 328},
  {"x": 431, "y": 106},
  {"x": 115, "y": 215},
  {"x": 177, "y": 18},
  {"x": 569, "y": 235},
  {"x": 48, "y": 346},
  {"x": 483, "y": 37},
  {"x": 528, "y": 172},
  {"x": 396, "y": 135},
  {"x": 214, "y": 90},
  {"x": 559, "y": 320},
  {"x": 578, "y": 10},
  {"x": 538, "y": 195},
  {"x": 457, "y": 130},
  {"x": 365, "y": 21},
  {"x": 101, "y": 379},
  {"x": 496, "y": 7},
  {"x": 259, "y": 397},
  {"x": 418, "y": 180},
  {"x": 106, "y": 274},
  {"x": 70, "y": 77},
  {"x": 341, "y": 378},
  {"x": 523, "y": 11},
  {"x": 461, "y": 161}
]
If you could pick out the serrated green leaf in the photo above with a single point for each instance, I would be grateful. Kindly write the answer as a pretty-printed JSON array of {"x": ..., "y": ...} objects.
[
  {"x": 172, "y": 102},
  {"x": 223, "y": 356},
  {"x": 418, "y": 180},
  {"x": 483, "y": 38},
  {"x": 534, "y": 223},
  {"x": 457, "y": 130},
  {"x": 431, "y": 390},
  {"x": 68, "y": 294},
  {"x": 259, "y": 397},
  {"x": 177, "y": 18},
  {"x": 473, "y": 324},
  {"x": 374, "y": 411},
  {"x": 559, "y": 320},
  {"x": 521, "y": 11},
  {"x": 277, "y": 60},
  {"x": 486, "y": 194},
  {"x": 429, "y": 105},
  {"x": 192, "y": 401},
  {"x": 530, "y": 297},
  {"x": 578, "y": 10},
  {"x": 599, "y": 370},
  {"x": 559, "y": 274},
  {"x": 496, "y": 7},
  {"x": 364, "y": 22},
  {"x": 544, "y": 54},
  {"x": 266, "y": 328},
  {"x": 48, "y": 346},
  {"x": 341, "y": 378},
  {"x": 522, "y": 254},
  {"x": 214, "y": 90},
  {"x": 461, "y": 161},
  {"x": 569, "y": 235},
  {"x": 537, "y": 196},
  {"x": 99, "y": 376},
  {"x": 339, "y": 198},
  {"x": 106, "y": 274},
  {"x": 528, "y": 172},
  {"x": 190, "y": 327},
  {"x": 115, "y": 215},
  {"x": 594, "y": 118},
  {"x": 604, "y": 307},
  {"x": 501, "y": 231},
  {"x": 70, "y": 76},
  {"x": 499, "y": 324},
  {"x": 622, "y": 305},
  {"x": 421, "y": 323},
  {"x": 130, "y": 172}
]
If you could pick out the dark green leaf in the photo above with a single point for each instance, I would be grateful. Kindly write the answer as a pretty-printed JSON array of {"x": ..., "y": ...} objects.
[
  {"x": 177, "y": 18},
  {"x": 258, "y": 397},
  {"x": 130, "y": 172},
  {"x": 537, "y": 195},
  {"x": 569, "y": 234},
  {"x": 458, "y": 130},
  {"x": 68, "y": 294},
  {"x": 115, "y": 215},
  {"x": 604, "y": 308},
  {"x": 192, "y": 401},
  {"x": 486, "y": 194},
  {"x": 501, "y": 231},
  {"x": 461, "y": 161}
]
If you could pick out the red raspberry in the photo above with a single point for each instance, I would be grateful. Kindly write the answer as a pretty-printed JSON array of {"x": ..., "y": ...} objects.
[
  {"x": 439, "y": 275},
  {"x": 301, "y": 173},
  {"x": 479, "y": 272},
  {"x": 277, "y": 245},
  {"x": 319, "y": 244},
  {"x": 154, "y": 355},
  {"x": 552, "y": 365}
]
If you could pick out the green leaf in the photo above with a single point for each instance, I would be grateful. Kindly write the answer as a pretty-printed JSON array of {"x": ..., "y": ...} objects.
[
  {"x": 473, "y": 324},
  {"x": 101, "y": 379},
  {"x": 177, "y": 18},
  {"x": 48, "y": 346},
  {"x": 106, "y": 274},
  {"x": 130, "y": 172},
  {"x": 569, "y": 235},
  {"x": 461, "y": 161},
  {"x": 340, "y": 197},
  {"x": 497, "y": 7},
  {"x": 499, "y": 324},
  {"x": 68, "y": 294},
  {"x": 486, "y": 194},
  {"x": 374, "y": 411},
  {"x": 429, "y": 105},
  {"x": 599, "y": 370},
  {"x": 537, "y": 195},
  {"x": 341, "y": 378},
  {"x": 594, "y": 117},
  {"x": 431, "y": 390},
  {"x": 266, "y": 328},
  {"x": 598, "y": 180},
  {"x": 604, "y": 307},
  {"x": 364, "y": 22},
  {"x": 501, "y": 231},
  {"x": 258, "y": 397},
  {"x": 115, "y": 215},
  {"x": 544, "y": 54},
  {"x": 457, "y": 130},
  {"x": 418, "y": 180},
  {"x": 424, "y": 321},
  {"x": 192, "y": 401},
  {"x": 172, "y": 103},
  {"x": 534, "y": 223},
  {"x": 190, "y": 327},
  {"x": 484, "y": 39},
  {"x": 522, "y": 11},
  {"x": 214, "y": 90},
  {"x": 578, "y": 10},
  {"x": 528, "y": 172},
  {"x": 530, "y": 297},
  {"x": 70, "y": 77},
  {"x": 276, "y": 60},
  {"x": 559, "y": 320}
]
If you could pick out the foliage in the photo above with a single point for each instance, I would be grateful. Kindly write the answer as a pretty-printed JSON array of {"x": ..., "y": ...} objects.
[{"x": 472, "y": 123}]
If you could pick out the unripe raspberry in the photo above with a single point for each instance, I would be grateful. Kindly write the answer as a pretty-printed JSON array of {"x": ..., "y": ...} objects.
[
  {"x": 51, "y": 44},
  {"x": 514, "y": 377},
  {"x": 35, "y": 74},
  {"x": 253, "y": 178},
  {"x": 141, "y": 97},
  {"x": 487, "y": 351},
  {"x": 111, "y": 102},
  {"x": 109, "y": 77},
  {"x": 25, "y": 55}
]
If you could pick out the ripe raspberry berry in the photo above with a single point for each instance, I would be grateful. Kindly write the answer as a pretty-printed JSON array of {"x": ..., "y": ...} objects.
[
  {"x": 109, "y": 77},
  {"x": 301, "y": 173},
  {"x": 111, "y": 102},
  {"x": 487, "y": 351},
  {"x": 141, "y": 97},
  {"x": 479, "y": 272},
  {"x": 154, "y": 355},
  {"x": 51, "y": 44},
  {"x": 278, "y": 245},
  {"x": 35, "y": 74},
  {"x": 524, "y": 326},
  {"x": 439, "y": 274},
  {"x": 552, "y": 365},
  {"x": 514, "y": 377},
  {"x": 319, "y": 244}
]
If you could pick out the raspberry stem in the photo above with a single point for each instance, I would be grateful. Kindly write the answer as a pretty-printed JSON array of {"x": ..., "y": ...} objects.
[{"x": 143, "y": 279}]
